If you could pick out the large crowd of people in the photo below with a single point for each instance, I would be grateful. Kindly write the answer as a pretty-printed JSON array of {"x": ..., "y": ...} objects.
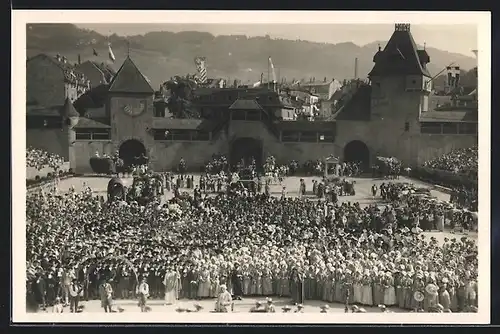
[
  {"x": 463, "y": 162},
  {"x": 460, "y": 161},
  {"x": 39, "y": 159},
  {"x": 255, "y": 245}
]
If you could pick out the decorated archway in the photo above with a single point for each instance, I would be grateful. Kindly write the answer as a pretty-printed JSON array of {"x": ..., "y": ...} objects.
[
  {"x": 357, "y": 151},
  {"x": 245, "y": 149},
  {"x": 133, "y": 152}
]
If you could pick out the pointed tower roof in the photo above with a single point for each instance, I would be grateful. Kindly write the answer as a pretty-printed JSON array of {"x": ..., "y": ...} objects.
[
  {"x": 400, "y": 56},
  {"x": 69, "y": 110},
  {"x": 129, "y": 79}
]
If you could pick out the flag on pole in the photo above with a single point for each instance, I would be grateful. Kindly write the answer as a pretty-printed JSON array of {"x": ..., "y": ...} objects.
[
  {"x": 95, "y": 52},
  {"x": 110, "y": 53},
  {"x": 200, "y": 63},
  {"x": 271, "y": 66}
]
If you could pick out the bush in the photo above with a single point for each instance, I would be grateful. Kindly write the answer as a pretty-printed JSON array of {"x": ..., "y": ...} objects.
[
  {"x": 70, "y": 171},
  {"x": 102, "y": 165},
  {"x": 443, "y": 177},
  {"x": 61, "y": 173},
  {"x": 37, "y": 178},
  {"x": 49, "y": 175}
]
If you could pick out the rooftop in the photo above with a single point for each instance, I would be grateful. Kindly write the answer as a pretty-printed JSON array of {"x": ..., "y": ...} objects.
[
  {"x": 87, "y": 123},
  {"x": 129, "y": 79},
  {"x": 358, "y": 107},
  {"x": 401, "y": 56},
  {"x": 449, "y": 116},
  {"x": 245, "y": 104}
]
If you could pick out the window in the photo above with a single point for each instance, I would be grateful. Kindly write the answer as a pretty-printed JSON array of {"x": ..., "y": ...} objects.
[
  {"x": 93, "y": 134},
  {"x": 450, "y": 128},
  {"x": 327, "y": 137},
  {"x": 82, "y": 134},
  {"x": 407, "y": 126},
  {"x": 101, "y": 134},
  {"x": 253, "y": 115},
  {"x": 159, "y": 134},
  {"x": 425, "y": 103},
  {"x": 200, "y": 135},
  {"x": 181, "y": 135},
  {"x": 308, "y": 137},
  {"x": 238, "y": 115},
  {"x": 160, "y": 109},
  {"x": 467, "y": 128},
  {"x": 430, "y": 127},
  {"x": 290, "y": 136}
]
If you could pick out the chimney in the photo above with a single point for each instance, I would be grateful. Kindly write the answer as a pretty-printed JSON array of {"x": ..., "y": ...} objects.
[
  {"x": 324, "y": 80},
  {"x": 58, "y": 57},
  {"x": 79, "y": 59},
  {"x": 457, "y": 76},
  {"x": 355, "y": 68}
]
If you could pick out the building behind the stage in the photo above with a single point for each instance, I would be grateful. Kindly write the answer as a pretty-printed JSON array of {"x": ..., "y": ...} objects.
[{"x": 395, "y": 114}]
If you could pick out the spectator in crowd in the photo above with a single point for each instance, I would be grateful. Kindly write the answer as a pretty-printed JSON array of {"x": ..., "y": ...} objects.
[{"x": 372, "y": 255}]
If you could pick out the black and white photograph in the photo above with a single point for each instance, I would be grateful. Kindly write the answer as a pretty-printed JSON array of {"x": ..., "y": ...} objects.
[{"x": 231, "y": 163}]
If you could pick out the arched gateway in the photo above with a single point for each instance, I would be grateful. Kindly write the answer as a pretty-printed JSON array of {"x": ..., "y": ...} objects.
[
  {"x": 245, "y": 149},
  {"x": 357, "y": 151},
  {"x": 132, "y": 152}
]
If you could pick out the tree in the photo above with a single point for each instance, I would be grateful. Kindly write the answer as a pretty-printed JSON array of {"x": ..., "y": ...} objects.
[{"x": 181, "y": 94}]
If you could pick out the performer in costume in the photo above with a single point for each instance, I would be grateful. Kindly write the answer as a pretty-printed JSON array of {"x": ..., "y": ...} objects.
[
  {"x": 224, "y": 300},
  {"x": 143, "y": 292},
  {"x": 106, "y": 294},
  {"x": 297, "y": 287},
  {"x": 74, "y": 295},
  {"x": 237, "y": 282}
]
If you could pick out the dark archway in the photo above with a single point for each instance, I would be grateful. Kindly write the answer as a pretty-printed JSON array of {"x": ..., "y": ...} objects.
[
  {"x": 357, "y": 151},
  {"x": 133, "y": 152},
  {"x": 246, "y": 149}
]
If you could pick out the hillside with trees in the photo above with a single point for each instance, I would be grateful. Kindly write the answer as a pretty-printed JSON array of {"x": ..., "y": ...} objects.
[{"x": 161, "y": 55}]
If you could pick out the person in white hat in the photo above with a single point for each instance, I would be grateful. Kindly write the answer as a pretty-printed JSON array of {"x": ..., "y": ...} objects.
[
  {"x": 270, "y": 307},
  {"x": 324, "y": 308},
  {"x": 257, "y": 308},
  {"x": 300, "y": 309},
  {"x": 224, "y": 300}
]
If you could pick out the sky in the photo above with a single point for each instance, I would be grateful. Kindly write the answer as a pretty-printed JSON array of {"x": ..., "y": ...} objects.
[{"x": 457, "y": 38}]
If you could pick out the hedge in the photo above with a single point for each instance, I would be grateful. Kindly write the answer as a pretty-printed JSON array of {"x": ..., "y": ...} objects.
[
  {"x": 443, "y": 177},
  {"x": 102, "y": 165},
  {"x": 40, "y": 180}
]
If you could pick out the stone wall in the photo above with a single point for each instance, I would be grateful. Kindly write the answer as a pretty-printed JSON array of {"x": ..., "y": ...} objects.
[
  {"x": 84, "y": 150},
  {"x": 50, "y": 140}
]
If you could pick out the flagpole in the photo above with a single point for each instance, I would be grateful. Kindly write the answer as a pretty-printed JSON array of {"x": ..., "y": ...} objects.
[{"x": 268, "y": 70}]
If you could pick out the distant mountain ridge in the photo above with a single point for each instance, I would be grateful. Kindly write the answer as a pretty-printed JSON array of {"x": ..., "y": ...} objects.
[{"x": 162, "y": 54}]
